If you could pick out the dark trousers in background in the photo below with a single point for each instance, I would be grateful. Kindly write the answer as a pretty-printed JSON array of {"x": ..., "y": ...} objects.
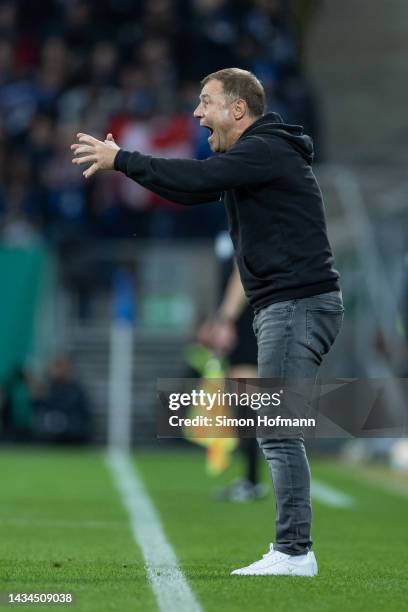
[{"x": 293, "y": 337}]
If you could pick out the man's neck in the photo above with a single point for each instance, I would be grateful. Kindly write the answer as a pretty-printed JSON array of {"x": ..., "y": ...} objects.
[{"x": 243, "y": 125}]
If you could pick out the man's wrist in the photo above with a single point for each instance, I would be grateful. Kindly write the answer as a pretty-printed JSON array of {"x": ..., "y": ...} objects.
[
  {"x": 223, "y": 317},
  {"x": 120, "y": 162}
]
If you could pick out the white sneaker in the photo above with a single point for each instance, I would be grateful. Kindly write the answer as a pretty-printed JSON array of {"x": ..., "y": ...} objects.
[{"x": 275, "y": 563}]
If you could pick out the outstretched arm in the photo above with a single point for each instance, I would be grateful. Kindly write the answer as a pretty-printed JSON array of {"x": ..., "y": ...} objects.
[
  {"x": 102, "y": 156},
  {"x": 248, "y": 162}
]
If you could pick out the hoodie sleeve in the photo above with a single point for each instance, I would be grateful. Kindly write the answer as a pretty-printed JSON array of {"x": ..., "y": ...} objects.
[
  {"x": 181, "y": 197},
  {"x": 248, "y": 162},
  {"x": 171, "y": 194}
]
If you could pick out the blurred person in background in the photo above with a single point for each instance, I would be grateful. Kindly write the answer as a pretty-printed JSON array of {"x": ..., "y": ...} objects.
[
  {"x": 278, "y": 228},
  {"x": 61, "y": 406},
  {"x": 229, "y": 333},
  {"x": 22, "y": 221},
  {"x": 66, "y": 206},
  {"x": 16, "y": 407}
]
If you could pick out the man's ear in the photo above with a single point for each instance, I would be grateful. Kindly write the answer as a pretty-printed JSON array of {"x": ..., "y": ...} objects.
[{"x": 239, "y": 108}]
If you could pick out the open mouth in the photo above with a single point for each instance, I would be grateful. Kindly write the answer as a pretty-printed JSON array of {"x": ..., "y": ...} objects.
[{"x": 210, "y": 129}]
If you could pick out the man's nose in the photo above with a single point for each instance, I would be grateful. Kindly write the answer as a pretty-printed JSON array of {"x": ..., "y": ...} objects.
[{"x": 198, "y": 113}]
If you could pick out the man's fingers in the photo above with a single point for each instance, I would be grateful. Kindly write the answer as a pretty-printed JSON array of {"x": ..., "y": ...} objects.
[
  {"x": 109, "y": 140},
  {"x": 91, "y": 170},
  {"x": 84, "y": 149},
  {"x": 85, "y": 159},
  {"x": 90, "y": 150},
  {"x": 86, "y": 138}
]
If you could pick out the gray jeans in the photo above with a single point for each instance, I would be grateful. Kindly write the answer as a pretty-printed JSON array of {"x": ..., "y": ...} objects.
[{"x": 293, "y": 337}]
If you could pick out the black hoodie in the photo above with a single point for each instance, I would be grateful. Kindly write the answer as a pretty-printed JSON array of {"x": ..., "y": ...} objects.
[{"x": 274, "y": 206}]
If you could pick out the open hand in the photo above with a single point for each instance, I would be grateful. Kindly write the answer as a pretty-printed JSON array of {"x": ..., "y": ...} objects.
[{"x": 101, "y": 155}]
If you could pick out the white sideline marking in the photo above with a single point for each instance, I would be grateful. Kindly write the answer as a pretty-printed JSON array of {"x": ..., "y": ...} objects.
[
  {"x": 172, "y": 591},
  {"x": 329, "y": 496}
]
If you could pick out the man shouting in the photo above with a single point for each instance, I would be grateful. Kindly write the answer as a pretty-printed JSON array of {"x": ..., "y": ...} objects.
[{"x": 277, "y": 224}]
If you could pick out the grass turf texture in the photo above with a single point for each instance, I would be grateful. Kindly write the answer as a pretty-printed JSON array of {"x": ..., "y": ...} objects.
[{"x": 63, "y": 528}]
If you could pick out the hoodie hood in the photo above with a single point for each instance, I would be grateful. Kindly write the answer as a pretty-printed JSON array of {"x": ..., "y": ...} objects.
[{"x": 272, "y": 124}]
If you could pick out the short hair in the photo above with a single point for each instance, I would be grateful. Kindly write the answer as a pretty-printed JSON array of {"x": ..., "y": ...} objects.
[{"x": 238, "y": 83}]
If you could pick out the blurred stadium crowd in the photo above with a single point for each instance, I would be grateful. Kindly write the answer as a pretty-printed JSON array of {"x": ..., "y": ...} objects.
[{"x": 132, "y": 68}]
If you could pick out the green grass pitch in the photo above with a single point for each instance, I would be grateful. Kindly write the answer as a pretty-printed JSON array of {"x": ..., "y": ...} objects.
[{"x": 63, "y": 528}]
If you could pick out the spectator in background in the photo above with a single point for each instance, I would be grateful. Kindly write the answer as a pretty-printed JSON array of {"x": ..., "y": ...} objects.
[
  {"x": 96, "y": 100},
  {"x": 22, "y": 221},
  {"x": 6, "y": 60},
  {"x": 210, "y": 35},
  {"x": 66, "y": 200},
  {"x": 62, "y": 412},
  {"x": 40, "y": 144},
  {"x": 16, "y": 407},
  {"x": 52, "y": 74},
  {"x": 8, "y": 19}
]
